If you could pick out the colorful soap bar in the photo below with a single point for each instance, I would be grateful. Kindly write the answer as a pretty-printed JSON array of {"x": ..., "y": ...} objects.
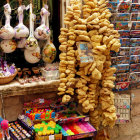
[
  {"x": 134, "y": 50},
  {"x": 135, "y": 42},
  {"x": 135, "y": 67},
  {"x": 122, "y": 60},
  {"x": 122, "y": 77},
  {"x": 124, "y": 33},
  {"x": 134, "y": 59},
  {"x": 124, "y": 51},
  {"x": 135, "y": 26},
  {"x": 135, "y": 17}
]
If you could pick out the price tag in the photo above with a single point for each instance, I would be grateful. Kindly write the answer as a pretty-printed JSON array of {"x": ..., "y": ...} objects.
[{"x": 51, "y": 137}]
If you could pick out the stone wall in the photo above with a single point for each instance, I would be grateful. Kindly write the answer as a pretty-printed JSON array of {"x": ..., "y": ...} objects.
[{"x": 131, "y": 130}]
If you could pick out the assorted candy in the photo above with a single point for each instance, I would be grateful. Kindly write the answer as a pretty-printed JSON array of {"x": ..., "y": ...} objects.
[
  {"x": 70, "y": 129},
  {"x": 49, "y": 128},
  {"x": 18, "y": 131},
  {"x": 40, "y": 114}
]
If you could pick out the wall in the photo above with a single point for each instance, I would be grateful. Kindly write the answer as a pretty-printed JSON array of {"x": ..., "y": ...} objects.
[{"x": 131, "y": 130}]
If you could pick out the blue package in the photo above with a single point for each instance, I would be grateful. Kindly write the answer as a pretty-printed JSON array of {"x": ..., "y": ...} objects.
[{"x": 134, "y": 59}]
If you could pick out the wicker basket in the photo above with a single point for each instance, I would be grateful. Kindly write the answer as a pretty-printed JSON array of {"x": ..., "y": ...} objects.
[{"x": 8, "y": 79}]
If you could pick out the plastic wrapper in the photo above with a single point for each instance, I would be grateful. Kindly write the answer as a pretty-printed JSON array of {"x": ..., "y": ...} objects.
[{"x": 85, "y": 52}]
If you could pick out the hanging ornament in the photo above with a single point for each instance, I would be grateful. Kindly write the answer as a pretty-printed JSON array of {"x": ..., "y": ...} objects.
[
  {"x": 8, "y": 46},
  {"x": 31, "y": 42},
  {"x": 49, "y": 53},
  {"x": 21, "y": 31},
  {"x": 32, "y": 56},
  {"x": 7, "y": 31},
  {"x": 49, "y": 50},
  {"x": 43, "y": 31},
  {"x": 32, "y": 51}
]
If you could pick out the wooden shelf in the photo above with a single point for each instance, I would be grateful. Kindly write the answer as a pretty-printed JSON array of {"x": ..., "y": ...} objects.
[{"x": 15, "y": 88}]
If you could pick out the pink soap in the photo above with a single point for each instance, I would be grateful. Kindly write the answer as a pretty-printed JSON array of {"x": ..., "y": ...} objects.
[
  {"x": 88, "y": 126},
  {"x": 82, "y": 127}
]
